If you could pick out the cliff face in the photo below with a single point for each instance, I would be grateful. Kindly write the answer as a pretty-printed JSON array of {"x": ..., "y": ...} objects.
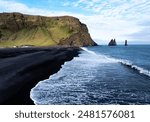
[{"x": 17, "y": 29}]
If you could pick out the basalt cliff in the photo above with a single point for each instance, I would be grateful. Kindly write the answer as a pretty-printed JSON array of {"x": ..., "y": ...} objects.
[{"x": 18, "y": 29}]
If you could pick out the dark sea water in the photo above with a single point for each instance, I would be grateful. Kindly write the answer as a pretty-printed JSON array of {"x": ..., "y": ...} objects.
[{"x": 100, "y": 75}]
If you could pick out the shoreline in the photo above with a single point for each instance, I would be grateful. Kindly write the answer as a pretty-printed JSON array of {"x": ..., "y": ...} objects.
[{"x": 22, "y": 68}]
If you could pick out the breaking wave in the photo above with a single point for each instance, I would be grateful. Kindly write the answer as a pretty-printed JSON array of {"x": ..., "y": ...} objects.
[
  {"x": 123, "y": 62},
  {"x": 94, "y": 78}
]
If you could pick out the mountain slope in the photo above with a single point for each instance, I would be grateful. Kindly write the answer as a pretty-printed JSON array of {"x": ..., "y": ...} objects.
[{"x": 18, "y": 29}]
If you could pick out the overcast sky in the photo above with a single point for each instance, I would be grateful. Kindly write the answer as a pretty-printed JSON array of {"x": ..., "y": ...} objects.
[{"x": 106, "y": 19}]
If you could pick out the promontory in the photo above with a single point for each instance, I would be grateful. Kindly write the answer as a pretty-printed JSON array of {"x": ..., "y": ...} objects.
[
  {"x": 41, "y": 45},
  {"x": 18, "y": 29}
]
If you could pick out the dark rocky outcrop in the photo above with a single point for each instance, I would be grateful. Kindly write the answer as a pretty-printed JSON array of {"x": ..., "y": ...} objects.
[
  {"x": 126, "y": 43},
  {"x": 112, "y": 42},
  {"x": 17, "y": 29}
]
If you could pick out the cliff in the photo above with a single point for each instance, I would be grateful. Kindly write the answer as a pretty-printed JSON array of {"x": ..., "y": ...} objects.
[{"x": 17, "y": 29}]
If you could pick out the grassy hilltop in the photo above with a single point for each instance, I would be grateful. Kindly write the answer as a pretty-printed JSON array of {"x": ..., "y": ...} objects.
[{"x": 18, "y": 29}]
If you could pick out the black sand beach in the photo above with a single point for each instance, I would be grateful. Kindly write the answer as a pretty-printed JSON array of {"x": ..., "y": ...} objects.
[{"x": 22, "y": 68}]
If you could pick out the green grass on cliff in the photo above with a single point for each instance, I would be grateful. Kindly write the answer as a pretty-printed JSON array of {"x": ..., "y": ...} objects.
[
  {"x": 34, "y": 37},
  {"x": 49, "y": 34}
]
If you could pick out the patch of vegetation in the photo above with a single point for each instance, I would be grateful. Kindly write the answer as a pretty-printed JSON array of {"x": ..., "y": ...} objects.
[
  {"x": 0, "y": 34},
  {"x": 36, "y": 30}
]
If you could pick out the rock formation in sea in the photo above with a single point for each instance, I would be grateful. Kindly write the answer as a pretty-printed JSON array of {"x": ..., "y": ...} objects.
[
  {"x": 126, "y": 43},
  {"x": 112, "y": 42},
  {"x": 18, "y": 29}
]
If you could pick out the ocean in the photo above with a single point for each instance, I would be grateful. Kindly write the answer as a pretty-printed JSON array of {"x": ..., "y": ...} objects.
[{"x": 101, "y": 75}]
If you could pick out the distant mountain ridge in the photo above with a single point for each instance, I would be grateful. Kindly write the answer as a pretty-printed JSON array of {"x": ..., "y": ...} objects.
[{"x": 18, "y": 29}]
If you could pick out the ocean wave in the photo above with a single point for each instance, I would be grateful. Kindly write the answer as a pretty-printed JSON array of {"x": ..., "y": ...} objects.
[
  {"x": 89, "y": 51},
  {"x": 135, "y": 67},
  {"x": 100, "y": 58},
  {"x": 122, "y": 61},
  {"x": 90, "y": 80}
]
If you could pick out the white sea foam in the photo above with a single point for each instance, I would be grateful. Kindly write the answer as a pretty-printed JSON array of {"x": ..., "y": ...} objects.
[
  {"x": 122, "y": 61},
  {"x": 100, "y": 58},
  {"x": 72, "y": 84},
  {"x": 135, "y": 67},
  {"x": 89, "y": 51}
]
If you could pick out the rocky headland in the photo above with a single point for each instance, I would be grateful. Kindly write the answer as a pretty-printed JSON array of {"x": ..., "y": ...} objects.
[
  {"x": 40, "y": 46},
  {"x": 18, "y": 29}
]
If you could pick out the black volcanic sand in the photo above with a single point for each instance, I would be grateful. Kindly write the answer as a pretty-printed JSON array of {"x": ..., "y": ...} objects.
[{"x": 22, "y": 68}]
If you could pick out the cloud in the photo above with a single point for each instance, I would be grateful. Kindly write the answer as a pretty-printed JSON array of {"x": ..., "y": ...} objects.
[
  {"x": 121, "y": 19},
  {"x": 13, "y": 6},
  {"x": 115, "y": 8},
  {"x": 116, "y": 18},
  {"x": 107, "y": 28},
  {"x": 143, "y": 34}
]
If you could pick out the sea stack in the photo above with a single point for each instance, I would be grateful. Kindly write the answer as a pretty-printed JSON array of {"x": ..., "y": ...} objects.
[
  {"x": 112, "y": 42},
  {"x": 126, "y": 43}
]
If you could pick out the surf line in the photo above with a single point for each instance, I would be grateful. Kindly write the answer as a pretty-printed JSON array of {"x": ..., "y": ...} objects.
[{"x": 123, "y": 62}]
